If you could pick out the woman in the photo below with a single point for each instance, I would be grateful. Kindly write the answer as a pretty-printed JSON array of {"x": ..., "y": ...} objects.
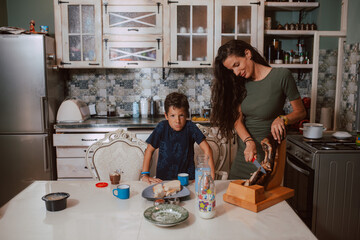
[{"x": 249, "y": 95}]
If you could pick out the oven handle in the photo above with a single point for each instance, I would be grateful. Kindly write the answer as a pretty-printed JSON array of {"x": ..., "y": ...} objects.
[{"x": 297, "y": 168}]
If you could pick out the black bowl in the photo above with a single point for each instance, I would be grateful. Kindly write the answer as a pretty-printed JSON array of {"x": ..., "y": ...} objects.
[{"x": 55, "y": 201}]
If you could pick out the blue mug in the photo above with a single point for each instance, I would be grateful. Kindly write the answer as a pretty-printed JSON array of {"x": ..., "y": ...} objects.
[
  {"x": 183, "y": 178},
  {"x": 122, "y": 191}
]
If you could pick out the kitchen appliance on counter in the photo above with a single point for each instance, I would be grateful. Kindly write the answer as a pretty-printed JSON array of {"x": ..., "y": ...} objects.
[
  {"x": 325, "y": 176},
  {"x": 73, "y": 110},
  {"x": 31, "y": 94}
]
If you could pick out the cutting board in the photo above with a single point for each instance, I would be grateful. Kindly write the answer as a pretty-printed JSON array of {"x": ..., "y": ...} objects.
[{"x": 255, "y": 198}]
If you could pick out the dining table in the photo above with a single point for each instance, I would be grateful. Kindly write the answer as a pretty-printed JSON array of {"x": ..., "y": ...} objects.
[{"x": 95, "y": 213}]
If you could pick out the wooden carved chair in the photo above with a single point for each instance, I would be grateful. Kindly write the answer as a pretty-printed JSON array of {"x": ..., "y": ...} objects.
[
  {"x": 219, "y": 148},
  {"x": 119, "y": 149}
]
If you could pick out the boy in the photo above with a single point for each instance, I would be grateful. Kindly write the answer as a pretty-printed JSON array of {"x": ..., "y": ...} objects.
[{"x": 175, "y": 138}]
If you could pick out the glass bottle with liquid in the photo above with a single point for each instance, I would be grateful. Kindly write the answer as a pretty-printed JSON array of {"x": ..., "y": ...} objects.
[
  {"x": 206, "y": 197},
  {"x": 201, "y": 166}
]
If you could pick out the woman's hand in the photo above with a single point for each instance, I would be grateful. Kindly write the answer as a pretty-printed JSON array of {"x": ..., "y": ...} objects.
[
  {"x": 150, "y": 180},
  {"x": 250, "y": 151},
  {"x": 278, "y": 129}
]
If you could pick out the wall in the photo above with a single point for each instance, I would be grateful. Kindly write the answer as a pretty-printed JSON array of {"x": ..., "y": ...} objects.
[
  {"x": 21, "y": 12},
  {"x": 353, "y": 35},
  {"x": 3, "y": 13}
]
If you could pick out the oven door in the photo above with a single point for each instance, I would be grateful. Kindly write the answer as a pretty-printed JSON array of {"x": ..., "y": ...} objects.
[{"x": 300, "y": 177}]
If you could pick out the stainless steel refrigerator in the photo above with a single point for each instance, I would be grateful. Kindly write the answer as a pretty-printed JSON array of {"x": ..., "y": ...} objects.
[{"x": 31, "y": 92}]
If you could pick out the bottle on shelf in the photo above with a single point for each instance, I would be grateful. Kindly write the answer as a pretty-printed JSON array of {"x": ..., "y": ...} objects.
[
  {"x": 291, "y": 57},
  {"x": 301, "y": 57},
  {"x": 287, "y": 58}
]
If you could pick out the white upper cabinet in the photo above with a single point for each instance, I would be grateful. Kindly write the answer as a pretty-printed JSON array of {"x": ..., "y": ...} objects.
[
  {"x": 80, "y": 33},
  {"x": 132, "y": 52},
  {"x": 191, "y": 34},
  {"x": 239, "y": 19},
  {"x": 132, "y": 19}
]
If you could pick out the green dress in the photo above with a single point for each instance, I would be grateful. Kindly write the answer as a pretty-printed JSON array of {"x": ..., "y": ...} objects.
[{"x": 264, "y": 101}]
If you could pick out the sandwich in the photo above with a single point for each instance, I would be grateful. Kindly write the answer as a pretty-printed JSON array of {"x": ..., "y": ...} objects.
[{"x": 158, "y": 191}]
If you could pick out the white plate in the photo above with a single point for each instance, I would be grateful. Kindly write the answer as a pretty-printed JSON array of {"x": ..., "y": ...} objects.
[
  {"x": 166, "y": 215},
  {"x": 148, "y": 193},
  {"x": 342, "y": 135}
]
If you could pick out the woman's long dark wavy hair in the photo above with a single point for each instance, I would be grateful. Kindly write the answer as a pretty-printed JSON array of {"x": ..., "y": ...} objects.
[{"x": 228, "y": 90}]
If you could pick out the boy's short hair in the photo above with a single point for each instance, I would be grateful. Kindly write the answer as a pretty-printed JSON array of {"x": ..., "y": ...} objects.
[{"x": 177, "y": 100}]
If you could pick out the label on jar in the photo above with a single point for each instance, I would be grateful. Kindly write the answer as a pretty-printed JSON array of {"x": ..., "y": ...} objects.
[
  {"x": 206, "y": 203},
  {"x": 358, "y": 139}
]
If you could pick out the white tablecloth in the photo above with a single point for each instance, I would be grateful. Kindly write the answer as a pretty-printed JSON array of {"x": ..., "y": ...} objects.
[{"x": 94, "y": 213}]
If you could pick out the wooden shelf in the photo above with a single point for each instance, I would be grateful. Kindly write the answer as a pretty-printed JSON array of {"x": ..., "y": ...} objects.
[
  {"x": 299, "y": 66},
  {"x": 291, "y": 6},
  {"x": 290, "y": 33}
]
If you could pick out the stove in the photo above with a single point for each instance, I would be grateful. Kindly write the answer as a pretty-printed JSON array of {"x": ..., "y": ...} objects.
[{"x": 325, "y": 174}]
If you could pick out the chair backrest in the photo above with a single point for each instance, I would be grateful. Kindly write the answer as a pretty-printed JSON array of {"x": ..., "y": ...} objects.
[
  {"x": 119, "y": 149},
  {"x": 218, "y": 146}
]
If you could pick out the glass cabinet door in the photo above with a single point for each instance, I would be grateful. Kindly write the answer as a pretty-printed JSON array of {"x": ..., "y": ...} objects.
[
  {"x": 132, "y": 19},
  {"x": 81, "y": 33},
  {"x": 132, "y": 52},
  {"x": 236, "y": 20},
  {"x": 191, "y": 34}
]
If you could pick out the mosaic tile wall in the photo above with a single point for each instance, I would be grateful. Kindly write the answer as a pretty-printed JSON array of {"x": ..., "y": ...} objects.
[
  {"x": 121, "y": 87},
  {"x": 326, "y": 81},
  {"x": 350, "y": 86}
]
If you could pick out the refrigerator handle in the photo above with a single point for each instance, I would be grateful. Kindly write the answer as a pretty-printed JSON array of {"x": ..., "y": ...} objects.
[
  {"x": 45, "y": 113},
  {"x": 47, "y": 157}
]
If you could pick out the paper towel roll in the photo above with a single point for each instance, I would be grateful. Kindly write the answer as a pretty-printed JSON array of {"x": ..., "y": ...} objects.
[{"x": 326, "y": 117}]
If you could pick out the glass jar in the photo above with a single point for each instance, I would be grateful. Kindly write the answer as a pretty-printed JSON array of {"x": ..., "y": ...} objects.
[
  {"x": 206, "y": 197},
  {"x": 201, "y": 166}
]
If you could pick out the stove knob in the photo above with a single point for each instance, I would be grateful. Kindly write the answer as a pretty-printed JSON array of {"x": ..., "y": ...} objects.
[
  {"x": 307, "y": 159},
  {"x": 297, "y": 153}
]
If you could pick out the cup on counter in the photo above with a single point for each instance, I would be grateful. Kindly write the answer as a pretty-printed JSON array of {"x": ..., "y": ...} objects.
[
  {"x": 183, "y": 178},
  {"x": 122, "y": 191},
  {"x": 114, "y": 177}
]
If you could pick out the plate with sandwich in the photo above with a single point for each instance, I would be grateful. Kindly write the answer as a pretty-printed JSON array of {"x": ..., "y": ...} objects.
[{"x": 166, "y": 190}]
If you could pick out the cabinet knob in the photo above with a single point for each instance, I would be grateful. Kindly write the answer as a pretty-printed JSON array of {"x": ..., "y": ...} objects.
[{"x": 51, "y": 56}]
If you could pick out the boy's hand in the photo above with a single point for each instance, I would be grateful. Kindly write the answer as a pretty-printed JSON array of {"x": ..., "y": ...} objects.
[{"x": 150, "y": 180}]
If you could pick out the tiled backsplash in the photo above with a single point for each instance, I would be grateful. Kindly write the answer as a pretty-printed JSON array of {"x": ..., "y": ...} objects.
[
  {"x": 121, "y": 87},
  {"x": 350, "y": 91}
]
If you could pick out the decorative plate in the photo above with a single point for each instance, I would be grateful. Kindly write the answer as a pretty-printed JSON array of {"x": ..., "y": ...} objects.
[
  {"x": 148, "y": 193},
  {"x": 166, "y": 215}
]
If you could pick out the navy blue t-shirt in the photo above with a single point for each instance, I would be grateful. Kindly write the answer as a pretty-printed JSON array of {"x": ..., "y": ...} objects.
[{"x": 176, "y": 149}]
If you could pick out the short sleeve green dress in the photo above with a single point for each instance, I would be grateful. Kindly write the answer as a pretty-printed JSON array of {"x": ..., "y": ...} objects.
[{"x": 264, "y": 101}]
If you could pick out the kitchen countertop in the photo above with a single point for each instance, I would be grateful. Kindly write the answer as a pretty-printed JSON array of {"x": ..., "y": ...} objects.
[{"x": 112, "y": 123}]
